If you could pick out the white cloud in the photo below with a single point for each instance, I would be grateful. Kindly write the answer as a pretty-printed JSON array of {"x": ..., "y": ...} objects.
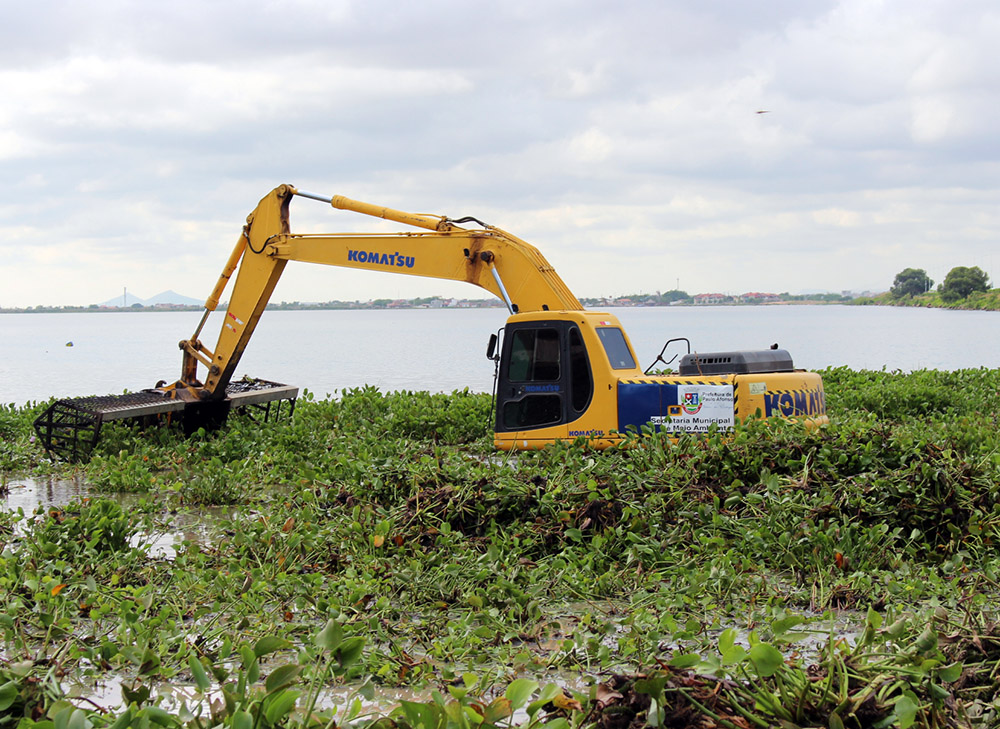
[{"x": 623, "y": 141}]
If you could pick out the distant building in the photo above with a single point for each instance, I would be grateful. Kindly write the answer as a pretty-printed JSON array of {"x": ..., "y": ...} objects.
[
  {"x": 702, "y": 299},
  {"x": 756, "y": 297}
]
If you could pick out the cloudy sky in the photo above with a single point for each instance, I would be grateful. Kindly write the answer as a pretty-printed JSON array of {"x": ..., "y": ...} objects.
[{"x": 625, "y": 142}]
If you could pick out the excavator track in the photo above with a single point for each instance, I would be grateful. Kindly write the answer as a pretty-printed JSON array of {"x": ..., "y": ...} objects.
[{"x": 70, "y": 428}]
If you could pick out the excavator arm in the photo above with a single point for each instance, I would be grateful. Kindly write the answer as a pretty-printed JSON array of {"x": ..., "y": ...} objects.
[{"x": 504, "y": 265}]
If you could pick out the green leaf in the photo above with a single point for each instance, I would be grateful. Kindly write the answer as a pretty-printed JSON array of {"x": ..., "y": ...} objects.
[
  {"x": 282, "y": 676},
  {"x": 123, "y": 721},
  {"x": 367, "y": 690},
  {"x": 78, "y": 720},
  {"x": 281, "y": 704},
  {"x": 735, "y": 654},
  {"x": 8, "y": 695},
  {"x": 727, "y": 640},
  {"x": 519, "y": 691},
  {"x": 330, "y": 637},
  {"x": 927, "y": 640},
  {"x": 242, "y": 719},
  {"x": 247, "y": 654},
  {"x": 159, "y": 716},
  {"x": 349, "y": 652},
  {"x": 198, "y": 673},
  {"x": 874, "y": 618},
  {"x": 685, "y": 660},
  {"x": 938, "y": 692},
  {"x": 906, "y": 711},
  {"x": 457, "y": 716},
  {"x": 896, "y": 629},
  {"x": 138, "y": 696},
  {"x": 951, "y": 672},
  {"x": 766, "y": 659},
  {"x": 269, "y": 644},
  {"x": 652, "y": 685},
  {"x": 783, "y": 625}
]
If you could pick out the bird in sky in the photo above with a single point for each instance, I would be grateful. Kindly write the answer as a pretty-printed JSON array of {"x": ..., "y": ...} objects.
[{"x": 763, "y": 111}]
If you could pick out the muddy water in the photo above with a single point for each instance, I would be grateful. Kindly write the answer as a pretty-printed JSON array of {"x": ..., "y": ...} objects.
[
  {"x": 107, "y": 694},
  {"x": 29, "y": 494}
]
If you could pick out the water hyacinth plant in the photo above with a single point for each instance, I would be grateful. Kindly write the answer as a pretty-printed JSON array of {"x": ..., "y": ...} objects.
[{"x": 770, "y": 576}]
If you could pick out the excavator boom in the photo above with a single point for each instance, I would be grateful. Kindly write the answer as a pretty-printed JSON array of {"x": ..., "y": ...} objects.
[{"x": 447, "y": 251}]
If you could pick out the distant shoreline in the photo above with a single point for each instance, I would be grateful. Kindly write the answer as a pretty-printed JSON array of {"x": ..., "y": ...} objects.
[
  {"x": 432, "y": 303},
  {"x": 319, "y": 307},
  {"x": 989, "y": 301}
]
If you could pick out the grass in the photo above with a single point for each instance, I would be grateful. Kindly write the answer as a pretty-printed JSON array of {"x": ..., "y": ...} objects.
[{"x": 771, "y": 576}]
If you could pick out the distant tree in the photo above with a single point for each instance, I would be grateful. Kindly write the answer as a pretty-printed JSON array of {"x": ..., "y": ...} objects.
[
  {"x": 911, "y": 282},
  {"x": 673, "y": 295},
  {"x": 962, "y": 281}
]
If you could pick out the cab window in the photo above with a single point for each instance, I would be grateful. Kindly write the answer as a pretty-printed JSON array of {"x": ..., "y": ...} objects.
[
  {"x": 616, "y": 348},
  {"x": 532, "y": 411},
  {"x": 534, "y": 356}
]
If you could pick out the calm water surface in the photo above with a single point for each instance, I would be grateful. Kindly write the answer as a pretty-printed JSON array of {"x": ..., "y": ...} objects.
[{"x": 443, "y": 350}]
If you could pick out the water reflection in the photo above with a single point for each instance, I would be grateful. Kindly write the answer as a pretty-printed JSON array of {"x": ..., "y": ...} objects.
[
  {"x": 29, "y": 494},
  {"x": 174, "y": 528}
]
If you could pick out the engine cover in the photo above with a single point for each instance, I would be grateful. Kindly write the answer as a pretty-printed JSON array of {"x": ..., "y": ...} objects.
[{"x": 738, "y": 363}]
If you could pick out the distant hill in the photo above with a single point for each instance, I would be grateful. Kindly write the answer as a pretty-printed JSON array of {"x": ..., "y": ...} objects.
[
  {"x": 172, "y": 297},
  {"x": 164, "y": 297}
]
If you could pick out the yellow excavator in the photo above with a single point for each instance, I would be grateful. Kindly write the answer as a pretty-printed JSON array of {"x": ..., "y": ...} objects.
[{"x": 562, "y": 372}]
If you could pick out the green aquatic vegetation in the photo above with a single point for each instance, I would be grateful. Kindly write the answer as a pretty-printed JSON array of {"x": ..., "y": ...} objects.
[
  {"x": 902, "y": 669},
  {"x": 392, "y": 514},
  {"x": 86, "y": 527},
  {"x": 123, "y": 473},
  {"x": 18, "y": 450},
  {"x": 899, "y": 396}
]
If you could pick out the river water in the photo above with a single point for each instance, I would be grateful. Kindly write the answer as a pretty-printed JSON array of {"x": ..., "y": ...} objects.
[{"x": 444, "y": 349}]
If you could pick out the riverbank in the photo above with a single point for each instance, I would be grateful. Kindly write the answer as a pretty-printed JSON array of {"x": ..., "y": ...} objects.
[{"x": 977, "y": 301}]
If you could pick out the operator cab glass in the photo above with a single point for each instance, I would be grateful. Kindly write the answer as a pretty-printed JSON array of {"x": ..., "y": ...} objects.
[
  {"x": 616, "y": 348},
  {"x": 544, "y": 376}
]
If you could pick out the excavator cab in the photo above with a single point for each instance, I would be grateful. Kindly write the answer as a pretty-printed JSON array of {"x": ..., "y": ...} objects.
[
  {"x": 544, "y": 378},
  {"x": 556, "y": 375},
  {"x": 563, "y": 375}
]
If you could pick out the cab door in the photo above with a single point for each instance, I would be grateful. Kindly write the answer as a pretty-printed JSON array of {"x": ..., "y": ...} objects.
[{"x": 545, "y": 377}]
